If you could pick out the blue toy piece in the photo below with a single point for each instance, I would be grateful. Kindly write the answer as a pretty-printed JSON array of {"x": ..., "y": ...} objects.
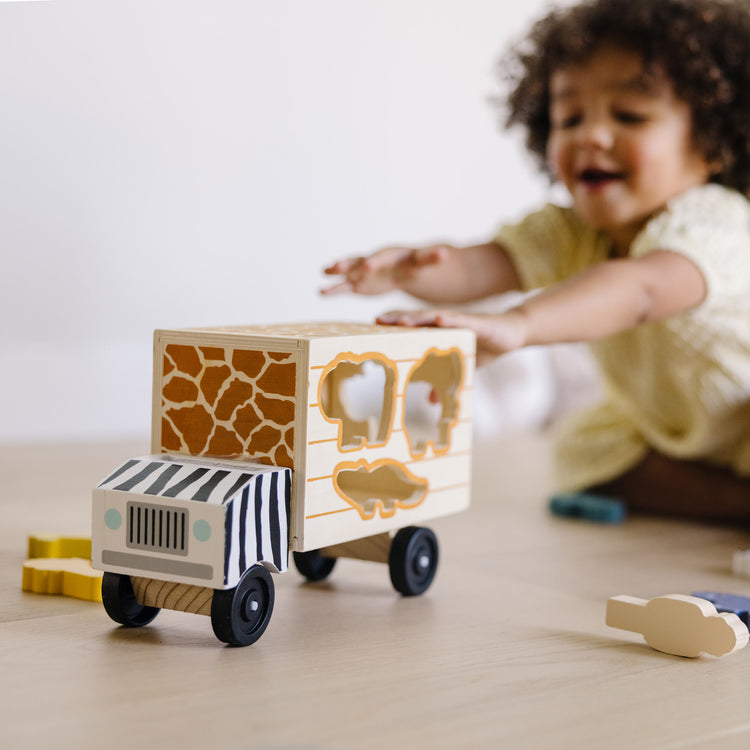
[
  {"x": 589, "y": 507},
  {"x": 738, "y": 605}
]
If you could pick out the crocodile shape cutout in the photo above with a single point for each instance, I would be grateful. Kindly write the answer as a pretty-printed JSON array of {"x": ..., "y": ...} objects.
[{"x": 381, "y": 487}]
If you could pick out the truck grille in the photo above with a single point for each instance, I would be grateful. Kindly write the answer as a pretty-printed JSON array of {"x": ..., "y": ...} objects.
[{"x": 157, "y": 528}]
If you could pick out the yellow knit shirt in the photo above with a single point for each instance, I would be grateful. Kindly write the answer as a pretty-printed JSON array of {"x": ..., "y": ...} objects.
[{"x": 681, "y": 385}]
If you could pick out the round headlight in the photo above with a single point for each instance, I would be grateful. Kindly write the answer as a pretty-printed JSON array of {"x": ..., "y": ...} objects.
[
  {"x": 202, "y": 531},
  {"x": 113, "y": 519}
]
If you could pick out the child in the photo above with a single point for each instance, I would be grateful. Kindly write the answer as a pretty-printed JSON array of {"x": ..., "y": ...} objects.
[{"x": 641, "y": 108}]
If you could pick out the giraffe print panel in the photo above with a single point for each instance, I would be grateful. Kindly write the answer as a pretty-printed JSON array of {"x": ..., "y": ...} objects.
[{"x": 228, "y": 403}]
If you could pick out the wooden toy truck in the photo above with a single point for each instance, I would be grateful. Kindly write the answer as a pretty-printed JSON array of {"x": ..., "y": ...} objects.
[{"x": 327, "y": 440}]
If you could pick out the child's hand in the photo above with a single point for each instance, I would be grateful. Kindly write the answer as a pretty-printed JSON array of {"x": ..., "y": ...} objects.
[
  {"x": 386, "y": 270},
  {"x": 496, "y": 334}
]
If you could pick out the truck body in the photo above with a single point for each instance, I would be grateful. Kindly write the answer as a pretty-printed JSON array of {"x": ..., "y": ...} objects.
[{"x": 270, "y": 439}]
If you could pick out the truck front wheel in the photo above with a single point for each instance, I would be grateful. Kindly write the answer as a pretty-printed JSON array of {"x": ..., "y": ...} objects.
[
  {"x": 240, "y": 616},
  {"x": 120, "y": 602}
]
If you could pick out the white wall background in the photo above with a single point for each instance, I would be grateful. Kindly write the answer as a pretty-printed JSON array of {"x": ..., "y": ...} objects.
[{"x": 167, "y": 163}]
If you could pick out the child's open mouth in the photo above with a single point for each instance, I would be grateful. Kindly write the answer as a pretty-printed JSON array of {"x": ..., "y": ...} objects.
[{"x": 599, "y": 177}]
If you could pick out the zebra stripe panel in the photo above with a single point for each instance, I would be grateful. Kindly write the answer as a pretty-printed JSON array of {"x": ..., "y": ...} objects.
[
  {"x": 256, "y": 498},
  {"x": 257, "y": 524},
  {"x": 189, "y": 480}
]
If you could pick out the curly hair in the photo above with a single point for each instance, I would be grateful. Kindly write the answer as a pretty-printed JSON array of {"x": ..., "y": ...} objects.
[{"x": 703, "y": 46}]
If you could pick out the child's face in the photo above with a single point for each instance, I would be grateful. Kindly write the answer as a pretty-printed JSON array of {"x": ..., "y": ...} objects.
[{"x": 621, "y": 145}]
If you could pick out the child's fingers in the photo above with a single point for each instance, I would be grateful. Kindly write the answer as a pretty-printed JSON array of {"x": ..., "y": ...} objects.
[
  {"x": 342, "y": 287},
  {"x": 413, "y": 318},
  {"x": 342, "y": 266},
  {"x": 452, "y": 319},
  {"x": 390, "y": 257},
  {"x": 355, "y": 275},
  {"x": 496, "y": 334},
  {"x": 434, "y": 317},
  {"x": 360, "y": 269},
  {"x": 386, "y": 258},
  {"x": 382, "y": 271},
  {"x": 392, "y": 318}
]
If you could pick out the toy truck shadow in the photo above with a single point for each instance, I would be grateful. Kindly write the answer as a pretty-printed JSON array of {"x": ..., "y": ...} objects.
[{"x": 266, "y": 443}]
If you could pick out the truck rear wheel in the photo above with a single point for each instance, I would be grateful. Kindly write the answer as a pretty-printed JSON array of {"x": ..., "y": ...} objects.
[
  {"x": 313, "y": 565},
  {"x": 120, "y": 602},
  {"x": 240, "y": 616},
  {"x": 413, "y": 560}
]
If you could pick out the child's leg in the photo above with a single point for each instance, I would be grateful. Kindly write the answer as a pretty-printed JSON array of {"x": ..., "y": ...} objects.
[{"x": 664, "y": 486}]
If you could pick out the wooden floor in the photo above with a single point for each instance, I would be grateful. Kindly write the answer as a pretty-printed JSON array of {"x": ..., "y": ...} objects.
[{"x": 507, "y": 649}]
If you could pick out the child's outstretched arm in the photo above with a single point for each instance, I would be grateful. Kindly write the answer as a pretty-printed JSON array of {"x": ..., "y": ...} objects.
[
  {"x": 606, "y": 299},
  {"x": 438, "y": 274}
]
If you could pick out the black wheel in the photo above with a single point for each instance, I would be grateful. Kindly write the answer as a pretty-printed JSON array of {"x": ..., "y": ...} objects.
[
  {"x": 240, "y": 616},
  {"x": 313, "y": 565},
  {"x": 119, "y": 601},
  {"x": 413, "y": 560}
]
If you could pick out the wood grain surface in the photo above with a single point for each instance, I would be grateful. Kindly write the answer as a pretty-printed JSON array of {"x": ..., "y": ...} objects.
[{"x": 508, "y": 649}]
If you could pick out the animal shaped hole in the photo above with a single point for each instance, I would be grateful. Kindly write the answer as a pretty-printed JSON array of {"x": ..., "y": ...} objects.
[
  {"x": 384, "y": 487},
  {"x": 422, "y": 412},
  {"x": 431, "y": 401},
  {"x": 360, "y": 395}
]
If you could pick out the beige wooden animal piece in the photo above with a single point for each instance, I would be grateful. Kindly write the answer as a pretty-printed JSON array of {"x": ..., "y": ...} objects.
[{"x": 678, "y": 624}]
